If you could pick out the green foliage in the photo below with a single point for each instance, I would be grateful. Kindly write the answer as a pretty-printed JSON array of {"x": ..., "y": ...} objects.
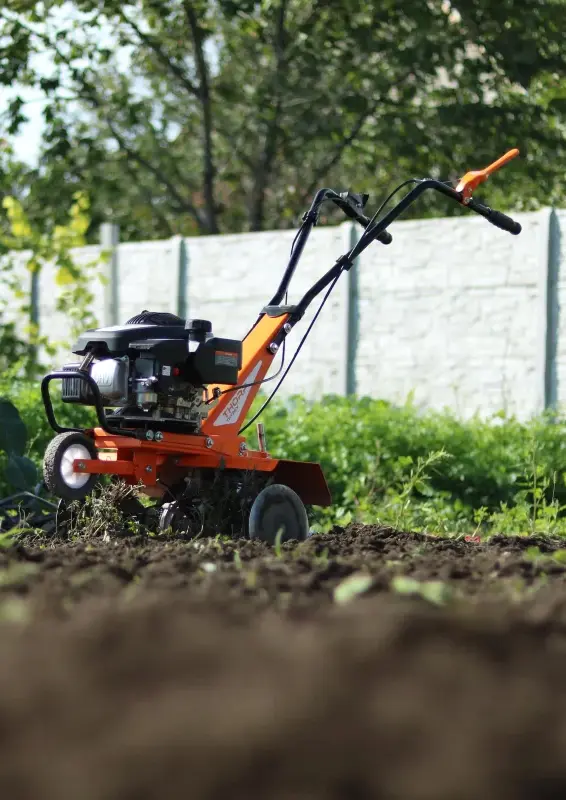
[
  {"x": 427, "y": 471},
  {"x": 20, "y": 472},
  {"x": 243, "y": 101},
  {"x": 394, "y": 465},
  {"x": 13, "y": 433},
  {"x": 39, "y": 247},
  {"x": 24, "y": 438}
]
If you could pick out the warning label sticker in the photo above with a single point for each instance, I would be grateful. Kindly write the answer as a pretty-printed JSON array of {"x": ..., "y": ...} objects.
[
  {"x": 235, "y": 406},
  {"x": 226, "y": 359}
]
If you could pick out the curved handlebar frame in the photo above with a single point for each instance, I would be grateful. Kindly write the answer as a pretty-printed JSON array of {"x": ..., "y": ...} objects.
[{"x": 370, "y": 234}]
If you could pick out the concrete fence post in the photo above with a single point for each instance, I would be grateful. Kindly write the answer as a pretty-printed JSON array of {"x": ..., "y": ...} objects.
[
  {"x": 34, "y": 298},
  {"x": 34, "y": 309},
  {"x": 182, "y": 279},
  {"x": 552, "y": 313},
  {"x": 352, "y": 311},
  {"x": 109, "y": 240}
]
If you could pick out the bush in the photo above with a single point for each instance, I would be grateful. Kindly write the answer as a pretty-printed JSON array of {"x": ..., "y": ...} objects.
[
  {"x": 371, "y": 451},
  {"x": 425, "y": 470},
  {"x": 487, "y": 459},
  {"x": 26, "y": 397}
]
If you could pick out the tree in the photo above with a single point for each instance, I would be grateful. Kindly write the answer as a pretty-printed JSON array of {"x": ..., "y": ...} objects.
[
  {"x": 20, "y": 336},
  {"x": 198, "y": 117}
]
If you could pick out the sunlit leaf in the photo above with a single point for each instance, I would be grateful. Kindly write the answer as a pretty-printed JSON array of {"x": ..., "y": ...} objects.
[
  {"x": 63, "y": 277},
  {"x": 351, "y": 587}
]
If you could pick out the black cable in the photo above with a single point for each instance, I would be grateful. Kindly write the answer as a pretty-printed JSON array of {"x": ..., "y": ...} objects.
[
  {"x": 303, "y": 340},
  {"x": 385, "y": 202},
  {"x": 301, "y": 343},
  {"x": 296, "y": 237},
  {"x": 272, "y": 377},
  {"x": 390, "y": 197}
]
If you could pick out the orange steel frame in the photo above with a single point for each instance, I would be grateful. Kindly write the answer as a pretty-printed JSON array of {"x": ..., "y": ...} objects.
[{"x": 139, "y": 461}]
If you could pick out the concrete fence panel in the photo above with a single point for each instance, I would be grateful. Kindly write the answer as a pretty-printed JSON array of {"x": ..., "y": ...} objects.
[
  {"x": 455, "y": 312},
  {"x": 229, "y": 279}
]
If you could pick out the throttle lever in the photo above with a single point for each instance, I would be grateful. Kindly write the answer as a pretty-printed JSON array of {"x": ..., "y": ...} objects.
[
  {"x": 352, "y": 205},
  {"x": 357, "y": 200}
]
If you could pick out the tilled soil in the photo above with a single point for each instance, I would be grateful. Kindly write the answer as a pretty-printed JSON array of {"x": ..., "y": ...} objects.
[{"x": 141, "y": 668}]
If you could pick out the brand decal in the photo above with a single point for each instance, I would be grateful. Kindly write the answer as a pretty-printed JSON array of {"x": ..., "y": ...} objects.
[{"x": 234, "y": 408}]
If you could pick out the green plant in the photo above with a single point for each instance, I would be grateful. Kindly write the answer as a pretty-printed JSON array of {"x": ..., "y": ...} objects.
[
  {"x": 20, "y": 472},
  {"x": 352, "y": 587},
  {"x": 39, "y": 247},
  {"x": 426, "y": 470},
  {"x": 399, "y": 499},
  {"x": 435, "y": 592},
  {"x": 277, "y": 544}
]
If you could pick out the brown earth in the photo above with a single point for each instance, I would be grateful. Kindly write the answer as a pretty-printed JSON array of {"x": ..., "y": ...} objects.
[{"x": 136, "y": 668}]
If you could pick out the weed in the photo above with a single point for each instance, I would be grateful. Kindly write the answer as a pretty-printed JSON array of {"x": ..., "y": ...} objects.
[
  {"x": 251, "y": 579},
  {"x": 277, "y": 545},
  {"x": 7, "y": 538},
  {"x": 420, "y": 471},
  {"x": 17, "y": 574},
  {"x": 435, "y": 592},
  {"x": 351, "y": 587},
  {"x": 322, "y": 559},
  {"x": 101, "y": 513}
]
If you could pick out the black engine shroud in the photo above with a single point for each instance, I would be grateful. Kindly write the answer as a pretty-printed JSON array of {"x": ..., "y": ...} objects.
[{"x": 155, "y": 367}]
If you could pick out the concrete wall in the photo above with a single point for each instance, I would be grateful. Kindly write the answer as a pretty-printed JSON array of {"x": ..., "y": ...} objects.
[
  {"x": 454, "y": 311},
  {"x": 231, "y": 278}
]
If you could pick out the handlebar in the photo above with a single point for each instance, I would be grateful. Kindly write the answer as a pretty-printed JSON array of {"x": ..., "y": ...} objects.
[
  {"x": 496, "y": 218},
  {"x": 350, "y": 204}
]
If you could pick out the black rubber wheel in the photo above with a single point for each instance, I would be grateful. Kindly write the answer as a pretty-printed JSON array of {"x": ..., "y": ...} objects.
[
  {"x": 58, "y": 474},
  {"x": 276, "y": 508}
]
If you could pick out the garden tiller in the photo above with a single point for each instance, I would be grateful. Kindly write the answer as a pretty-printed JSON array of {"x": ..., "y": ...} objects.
[{"x": 171, "y": 398}]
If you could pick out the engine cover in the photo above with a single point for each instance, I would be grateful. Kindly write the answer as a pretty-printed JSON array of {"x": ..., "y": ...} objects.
[
  {"x": 154, "y": 370},
  {"x": 116, "y": 340}
]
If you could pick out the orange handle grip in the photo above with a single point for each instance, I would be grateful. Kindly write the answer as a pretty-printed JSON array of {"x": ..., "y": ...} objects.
[
  {"x": 472, "y": 180},
  {"x": 511, "y": 154}
]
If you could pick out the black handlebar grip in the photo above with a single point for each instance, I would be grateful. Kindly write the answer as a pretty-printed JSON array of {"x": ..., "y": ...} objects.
[
  {"x": 385, "y": 237},
  {"x": 504, "y": 222}
]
